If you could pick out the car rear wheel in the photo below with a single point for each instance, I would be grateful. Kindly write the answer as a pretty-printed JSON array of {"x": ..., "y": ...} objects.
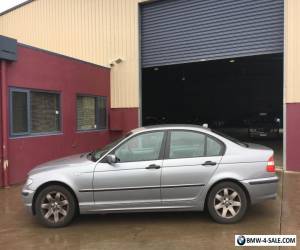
[
  {"x": 227, "y": 202},
  {"x": 55, "y": 206}
]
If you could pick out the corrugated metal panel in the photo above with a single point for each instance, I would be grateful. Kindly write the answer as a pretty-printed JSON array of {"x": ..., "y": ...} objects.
[
  {"x": 96, "y": 31},
  {"x": 292, "y": 51},
  {"x": 180, "y": 31}
]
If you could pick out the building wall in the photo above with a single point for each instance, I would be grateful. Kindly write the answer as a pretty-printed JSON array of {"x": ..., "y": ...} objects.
[
  {"x": 1, "y": 155},
  {"x": 292, "y": 83},
  {"x": 39, "y": 70},
  {"x": 100, "y": 31},
  {"x": 97, "y": 31},
  {"x": 293, "y": 136},
  {"x": 292, "y": 51}
]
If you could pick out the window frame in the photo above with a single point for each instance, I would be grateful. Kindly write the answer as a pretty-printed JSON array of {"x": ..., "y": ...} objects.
[
  {"x": 96, "y": 117},
  {"x": 29, "y": 132},
  {"x": 168, "y": 144},
  {"x": 162, "y": 151}
]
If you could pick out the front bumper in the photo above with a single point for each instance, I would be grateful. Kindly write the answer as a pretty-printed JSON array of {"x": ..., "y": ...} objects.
[
  {"x": 262, "y": 189},
  {"x": 27, "y": 196}
]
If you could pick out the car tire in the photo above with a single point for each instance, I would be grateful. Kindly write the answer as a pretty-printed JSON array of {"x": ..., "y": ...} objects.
[
  {"x": 227, "y": 206},
  {"x": 55, "y": 206}
]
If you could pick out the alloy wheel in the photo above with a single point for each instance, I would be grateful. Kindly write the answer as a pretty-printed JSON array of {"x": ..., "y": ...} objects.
[
  {"x": 54, "y": 206},
  {"x": 227, "y": 203}
]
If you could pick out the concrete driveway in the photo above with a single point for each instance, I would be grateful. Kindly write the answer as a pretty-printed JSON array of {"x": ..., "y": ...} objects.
[{"x": 189, "y": 230}]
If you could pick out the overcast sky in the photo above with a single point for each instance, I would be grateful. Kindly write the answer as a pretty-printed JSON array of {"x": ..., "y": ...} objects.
[{"x": 7, "y": 4}]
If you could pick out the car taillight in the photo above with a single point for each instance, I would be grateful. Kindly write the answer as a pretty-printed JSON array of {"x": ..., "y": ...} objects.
[{"x": 271, "y": 165}]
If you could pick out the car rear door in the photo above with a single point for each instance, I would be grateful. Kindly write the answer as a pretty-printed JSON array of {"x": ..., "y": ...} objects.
[
  {"x": 191, "y": 158},
  {"x": 134, "y": 181}
]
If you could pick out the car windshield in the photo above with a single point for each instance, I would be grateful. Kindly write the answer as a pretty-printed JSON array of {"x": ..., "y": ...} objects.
[
  {"x": 98, "y": 153},
  {"x": 231, "y": 138}
]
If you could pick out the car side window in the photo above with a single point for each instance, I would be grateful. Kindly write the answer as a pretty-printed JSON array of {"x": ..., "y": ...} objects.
[
  {"x": 144, "y": 147},
  {"x": 213, "y": 147},
  {"x": 186, "y": 144}
]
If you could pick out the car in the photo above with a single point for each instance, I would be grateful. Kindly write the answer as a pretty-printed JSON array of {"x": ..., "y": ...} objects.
[
  {"x": 264, "y": 125},
  {"x": 155, "y": 168}
]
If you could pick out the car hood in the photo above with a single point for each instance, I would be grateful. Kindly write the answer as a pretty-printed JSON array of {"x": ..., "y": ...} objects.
[{"x": 73, "y": 161}]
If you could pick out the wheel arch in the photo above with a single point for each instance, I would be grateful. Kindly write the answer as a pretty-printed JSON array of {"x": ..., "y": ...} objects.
[
  {"x": 227, "y": 180},
  {"x": 59, "y": 183}
]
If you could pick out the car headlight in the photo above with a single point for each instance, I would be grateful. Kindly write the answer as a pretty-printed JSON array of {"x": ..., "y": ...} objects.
[{"x": 28, "y": 182}]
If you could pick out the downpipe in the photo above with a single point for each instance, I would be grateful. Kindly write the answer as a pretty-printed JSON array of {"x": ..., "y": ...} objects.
[{"x": 4, "y": 125}]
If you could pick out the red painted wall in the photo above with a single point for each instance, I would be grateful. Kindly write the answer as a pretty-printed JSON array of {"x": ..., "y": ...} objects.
[
  {"x": 1, "y": 163},
  {"x": 37, "y": 69},
  {"x": 123, "y": 119},
  {"x": 293, "y": 136}
]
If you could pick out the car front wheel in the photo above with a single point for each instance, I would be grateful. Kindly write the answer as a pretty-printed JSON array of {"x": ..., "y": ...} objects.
[
  {"x": 227, "y": 202},
  {"x": 55, "y": 206}
]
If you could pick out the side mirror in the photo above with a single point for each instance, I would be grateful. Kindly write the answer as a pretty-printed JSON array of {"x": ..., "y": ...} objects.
[{"x": 111, "y": 159}]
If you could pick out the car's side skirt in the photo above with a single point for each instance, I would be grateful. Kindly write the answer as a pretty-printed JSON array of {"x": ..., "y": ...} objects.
[{"x": 140, "y": 209}]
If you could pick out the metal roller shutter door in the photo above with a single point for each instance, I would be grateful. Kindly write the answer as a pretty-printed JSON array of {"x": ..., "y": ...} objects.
[{"x": 182, "y": 31}]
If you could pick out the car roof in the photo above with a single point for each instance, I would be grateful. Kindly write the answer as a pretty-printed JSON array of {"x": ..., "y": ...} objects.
[{"x": 170, "y": 126}]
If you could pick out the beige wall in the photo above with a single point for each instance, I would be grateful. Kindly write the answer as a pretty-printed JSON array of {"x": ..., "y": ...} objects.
[
  {"x": 96, "y": 31},
  {"x": 292, "y": 51}
]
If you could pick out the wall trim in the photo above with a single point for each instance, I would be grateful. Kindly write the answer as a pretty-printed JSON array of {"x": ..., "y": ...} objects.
[
  {"x": 15, "y": 7},
  {"x": 61, "y": 55}
]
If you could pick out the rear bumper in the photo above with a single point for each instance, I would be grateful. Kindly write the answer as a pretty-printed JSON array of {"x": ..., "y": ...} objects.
[{"x": 262, "y": 189}]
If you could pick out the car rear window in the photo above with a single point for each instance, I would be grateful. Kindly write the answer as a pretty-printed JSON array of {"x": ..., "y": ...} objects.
[{"x": 236, "y": 141}]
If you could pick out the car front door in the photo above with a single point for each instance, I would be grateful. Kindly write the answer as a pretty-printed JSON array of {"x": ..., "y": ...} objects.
[
  {"x": 134, "y": 181},
  {"x": 191, "y": 159}
]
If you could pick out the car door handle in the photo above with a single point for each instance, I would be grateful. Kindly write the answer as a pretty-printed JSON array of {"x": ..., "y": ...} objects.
[
  {"x": 153, "y": 166},
  {"x": 209, "y": 163}
]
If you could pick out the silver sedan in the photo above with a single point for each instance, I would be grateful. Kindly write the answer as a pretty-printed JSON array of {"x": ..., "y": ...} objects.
[{"x": 157, "y": 168}]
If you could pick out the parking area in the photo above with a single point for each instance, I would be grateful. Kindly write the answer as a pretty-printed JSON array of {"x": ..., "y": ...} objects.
[{"x": 188, "y": 230}]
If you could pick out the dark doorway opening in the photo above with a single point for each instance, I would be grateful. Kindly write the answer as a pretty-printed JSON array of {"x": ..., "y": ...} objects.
[{"x": 228, "y": 95}]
